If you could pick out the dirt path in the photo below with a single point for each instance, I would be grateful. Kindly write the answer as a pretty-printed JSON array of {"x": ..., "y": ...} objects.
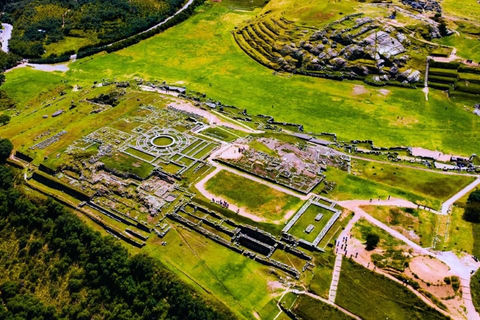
[
  {"x": 6, "y": 35},
  {"x": 462, "y": 267},
  {"x": 447, "y": 204},
  {"x": 61, "y": 67}
]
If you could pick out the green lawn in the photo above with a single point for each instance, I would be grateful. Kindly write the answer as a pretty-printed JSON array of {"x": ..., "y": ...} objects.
[
  {"x": 351, "y": 187},
  {"x": 468, "y": 47},
  {"x": 378, "y": 181},
  {"x": 224, "y": 72},
  {"x": 127, "y": 164},
  {"x": 372, "y": 296},
  {"x": 257, "y": 198},
  {"x": 308, "y": 218}
]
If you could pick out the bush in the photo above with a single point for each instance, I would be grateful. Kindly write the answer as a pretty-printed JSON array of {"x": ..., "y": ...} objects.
[
  {"x": 372, "y": 241},
  {"x": 472, "y": 211},
  {"x": 474, "y": 197},
  {"x": 4, "y": 119}
]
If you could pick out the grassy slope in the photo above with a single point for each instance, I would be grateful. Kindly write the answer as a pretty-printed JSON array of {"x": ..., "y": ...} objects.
[
  {"x": 372, "y": 296},
  {"x": 310, "y": 309},
  {"x": 311, "y": 12},
  {"x": 224, "y": 72},
  {"x": 469, "y": 9},
  {"x": 216, "y": 270},
  {"x": 467, "y": 46},
  {"x": 378, "y": 181},
  {"x": 255, "y": 197}
]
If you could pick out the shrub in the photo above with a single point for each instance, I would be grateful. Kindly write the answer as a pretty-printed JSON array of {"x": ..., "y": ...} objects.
[{"x": 372, "y": 241}]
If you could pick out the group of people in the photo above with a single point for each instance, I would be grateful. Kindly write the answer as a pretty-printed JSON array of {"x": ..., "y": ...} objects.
[{"x": 224, "y": 204}]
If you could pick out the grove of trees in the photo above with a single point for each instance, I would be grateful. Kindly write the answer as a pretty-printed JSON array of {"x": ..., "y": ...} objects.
[
  {"x": 6, "y": 148},
  {"x": 40, "y": 22},
  {"x": 53, "y": 266}
]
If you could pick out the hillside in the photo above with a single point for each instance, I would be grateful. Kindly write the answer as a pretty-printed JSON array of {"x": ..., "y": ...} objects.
[
  {"x": 52, "y": 266},
  {"x": 381, "y": 43},
  {"x": 44, "y": 27}
]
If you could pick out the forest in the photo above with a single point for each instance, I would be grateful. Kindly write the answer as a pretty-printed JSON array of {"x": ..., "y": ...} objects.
[
  {"x": 53, "y": 266},
  {"x": 37, "y": 23}
]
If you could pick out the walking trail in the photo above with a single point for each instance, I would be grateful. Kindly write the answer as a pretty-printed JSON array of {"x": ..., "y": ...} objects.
[
  {"x": 462, "y": 267},
  {"x": 201, "y": 187}
]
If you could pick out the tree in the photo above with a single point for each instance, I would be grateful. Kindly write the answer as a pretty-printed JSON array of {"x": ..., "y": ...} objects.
[
  {"x": 372, "y": 241},
  {"x": 474, "y": 197},
  {"x": 6, "y": 148},
  {"x": 4, "y": 119},
  {"x": 6, "y": 178},
  {"x": 472, "y": 210}
]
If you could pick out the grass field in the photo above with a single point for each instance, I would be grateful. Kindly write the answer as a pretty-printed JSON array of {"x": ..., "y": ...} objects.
[
  {"x": 351, "y": 187},
  {"x": 467, "y": 46},
  {"x": 310, "y": 309},
  {"x": 256, "y": 198},
  {"x": 216, "y": 270},
  {"x": 466, "y": 8},
  {"x": 422, "y": 223},
  {"x": 372, "y": 296},
  {"x": 308, "y": 218},
  {"x": 434, "y": 186},
  {"x": 226, "y": 73},
  {"x": 127, "y": 164}
]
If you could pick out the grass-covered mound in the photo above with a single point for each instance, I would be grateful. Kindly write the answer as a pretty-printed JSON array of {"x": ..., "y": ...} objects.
[
  {"x": 53, "y": 266},
  {"x": 40, "y": 23}
]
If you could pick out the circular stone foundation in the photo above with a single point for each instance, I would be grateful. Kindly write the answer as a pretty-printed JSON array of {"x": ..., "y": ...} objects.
[{"x": 162, "y": 141}]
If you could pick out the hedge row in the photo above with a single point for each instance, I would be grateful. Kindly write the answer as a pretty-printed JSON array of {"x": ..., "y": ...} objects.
[{"x": 444, "y": 65}]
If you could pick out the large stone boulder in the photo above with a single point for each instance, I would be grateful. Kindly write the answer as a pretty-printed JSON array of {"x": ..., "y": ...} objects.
[
  {"x": 384, "y": 44},
  {"x": 338, "y": 63},
  {"x": 353, "y": 52}
]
